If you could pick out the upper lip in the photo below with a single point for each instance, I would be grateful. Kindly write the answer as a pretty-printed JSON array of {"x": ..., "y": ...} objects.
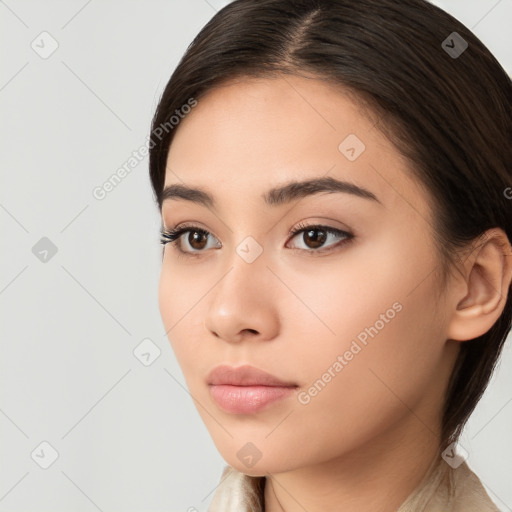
[{"x": 244, "y": 376}]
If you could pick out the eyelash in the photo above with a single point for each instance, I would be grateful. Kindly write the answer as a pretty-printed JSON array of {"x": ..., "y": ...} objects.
[{"x": 172, "y": 237}]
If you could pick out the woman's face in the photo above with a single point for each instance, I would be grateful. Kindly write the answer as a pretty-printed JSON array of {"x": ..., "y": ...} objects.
[{"x": 353, "y": 320}]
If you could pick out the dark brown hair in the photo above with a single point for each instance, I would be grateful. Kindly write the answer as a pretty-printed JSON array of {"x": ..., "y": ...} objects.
[{"x": 448, "y": 114}]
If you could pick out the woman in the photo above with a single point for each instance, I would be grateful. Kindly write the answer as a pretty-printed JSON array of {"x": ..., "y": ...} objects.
[{"x": 337, "y": 215}]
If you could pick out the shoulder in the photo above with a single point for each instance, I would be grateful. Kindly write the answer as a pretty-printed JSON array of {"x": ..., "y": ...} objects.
[
  {"x": 469, "y": 493},
  {"x": 238, "y": 492},
  {"x": 447, "y": 489}
]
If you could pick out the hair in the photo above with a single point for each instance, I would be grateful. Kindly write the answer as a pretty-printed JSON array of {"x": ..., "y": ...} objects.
[{"x": 449, "y": 116}]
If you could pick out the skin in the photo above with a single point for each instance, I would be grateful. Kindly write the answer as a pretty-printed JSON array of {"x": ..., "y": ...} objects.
[{"x": 366, "y": 440}]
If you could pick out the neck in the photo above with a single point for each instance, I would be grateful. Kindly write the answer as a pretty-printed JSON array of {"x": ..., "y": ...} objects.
[{"x": 378, "y": 476}]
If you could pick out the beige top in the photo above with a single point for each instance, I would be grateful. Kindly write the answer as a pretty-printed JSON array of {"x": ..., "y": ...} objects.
[{"x": 443, "y": 489}]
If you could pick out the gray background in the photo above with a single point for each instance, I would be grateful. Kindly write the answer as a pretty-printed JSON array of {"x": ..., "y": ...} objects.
[{"x": 128, "y": 436}]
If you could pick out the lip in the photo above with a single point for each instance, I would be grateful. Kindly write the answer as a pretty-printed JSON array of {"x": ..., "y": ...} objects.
[
  {"x": 246, "y": 390},
  {"x": 244, "y": 376}
]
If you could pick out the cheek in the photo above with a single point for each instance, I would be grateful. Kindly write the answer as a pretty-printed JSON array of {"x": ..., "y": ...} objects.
[
  {"x": 376, "y": 313},
  {"x": 180, "y": 290},
  {"x": 181, "y": 299},
  {"x": 175, "y": 299},
  {"x": 167, "y": 297}
]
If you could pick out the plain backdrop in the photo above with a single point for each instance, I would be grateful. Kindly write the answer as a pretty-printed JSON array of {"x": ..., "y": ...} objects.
[{"x": 79, "y": 82}]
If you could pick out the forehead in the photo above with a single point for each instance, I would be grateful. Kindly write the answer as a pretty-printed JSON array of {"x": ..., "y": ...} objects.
[{"x": 252, "y": 134}]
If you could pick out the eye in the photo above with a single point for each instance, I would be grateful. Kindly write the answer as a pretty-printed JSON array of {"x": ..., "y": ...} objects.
[
  {"x": 196, "y": 239},
  {"x": 315, "y": 236}
]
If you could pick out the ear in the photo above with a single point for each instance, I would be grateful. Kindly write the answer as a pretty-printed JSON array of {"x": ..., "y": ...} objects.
[{"x": 480, "y": 297}]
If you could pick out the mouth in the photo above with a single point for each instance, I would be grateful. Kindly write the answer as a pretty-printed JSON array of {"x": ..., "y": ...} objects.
[
  {"x": 247, "y": 399},
  {"x": 246, "y": 389},
  {"x": 244, "y": 376}
]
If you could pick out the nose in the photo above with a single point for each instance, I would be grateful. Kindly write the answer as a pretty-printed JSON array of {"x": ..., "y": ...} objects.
[{"x": 243, "y": 305}]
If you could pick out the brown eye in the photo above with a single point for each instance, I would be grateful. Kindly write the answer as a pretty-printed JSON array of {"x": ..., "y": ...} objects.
[
  {"x": 193, "y": 244},
  {"x": 315, "y": 240},
  {"x": 197, "y": 240},
  {"x": 315, "y": 237}
]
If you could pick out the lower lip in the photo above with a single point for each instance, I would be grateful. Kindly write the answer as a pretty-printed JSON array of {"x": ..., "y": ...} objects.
[{"x": 247, "y": 399}]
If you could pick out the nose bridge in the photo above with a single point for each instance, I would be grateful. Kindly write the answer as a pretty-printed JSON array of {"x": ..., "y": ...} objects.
[
  {"x": 241, "y": 301},
  {"x": 249, "y": 250},
  {"x": 248, "y": 268}
]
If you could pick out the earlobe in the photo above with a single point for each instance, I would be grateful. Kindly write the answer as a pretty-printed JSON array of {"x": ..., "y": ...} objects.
[{"x": 488, "y": 271}]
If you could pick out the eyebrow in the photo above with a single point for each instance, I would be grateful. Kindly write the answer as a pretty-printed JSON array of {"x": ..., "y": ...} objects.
[{"x": 275, "y": 196}]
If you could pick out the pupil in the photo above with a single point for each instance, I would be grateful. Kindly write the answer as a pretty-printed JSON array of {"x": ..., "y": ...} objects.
[
  {"x": 318, "y": 240},
  {"x": 314, "y": 241},
  {"x": 195, "y": 238}
]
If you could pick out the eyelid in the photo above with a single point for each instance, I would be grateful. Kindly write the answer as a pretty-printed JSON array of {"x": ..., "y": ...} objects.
[
  {"x": 174, "y": 235},
  {"x": 302, "y": 228}
]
